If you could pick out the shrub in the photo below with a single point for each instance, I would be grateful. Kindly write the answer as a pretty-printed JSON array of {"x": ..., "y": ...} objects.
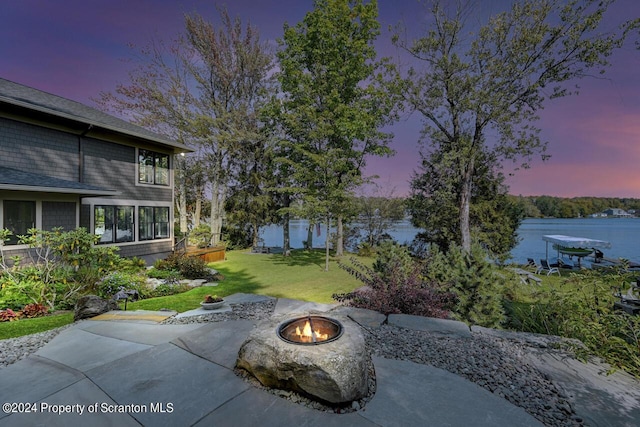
[
  {"x": 188, "y": 266},
  {"x": 75, "y": 248},
  {"x": 9, "y": 315},
  {"x": 391, "y": 256},
  {"x": 117, "y": 281},
  {"x": 11, "y": 295},
  {"x": 34, "y": 310},
  {"x": 397, "y": 289},
  {"x": 166, "y": 274},
  {"x": 583, "y": 310},
  {"x": 169, "y": 288},
  {"x": 201, "y": 235}
]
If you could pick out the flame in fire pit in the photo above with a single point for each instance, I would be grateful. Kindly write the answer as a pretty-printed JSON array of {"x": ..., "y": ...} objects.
[
  {"x": 310, "y": 330},
  {"x": 307, "y": 335}
]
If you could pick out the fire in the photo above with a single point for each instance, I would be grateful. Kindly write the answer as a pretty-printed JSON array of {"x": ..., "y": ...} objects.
[{"x": 306, "y": 334}]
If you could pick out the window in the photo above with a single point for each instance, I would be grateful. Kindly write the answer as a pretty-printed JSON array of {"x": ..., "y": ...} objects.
[
  {"x": 153, "y": 222},
  {"x": 19, "y": 216},
  {"x": 114, "y": 224},
  {"x": 153, "y": 168}
]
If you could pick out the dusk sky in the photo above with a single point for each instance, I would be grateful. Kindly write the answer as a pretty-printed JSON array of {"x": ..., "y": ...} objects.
[{"x": 78, "y": 48}]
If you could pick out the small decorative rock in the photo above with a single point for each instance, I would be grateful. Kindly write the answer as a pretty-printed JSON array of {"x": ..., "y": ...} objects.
[{"x": 92, "y": 305}]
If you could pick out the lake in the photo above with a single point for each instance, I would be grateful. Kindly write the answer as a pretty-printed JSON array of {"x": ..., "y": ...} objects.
[{"x": 622, "y": 233}]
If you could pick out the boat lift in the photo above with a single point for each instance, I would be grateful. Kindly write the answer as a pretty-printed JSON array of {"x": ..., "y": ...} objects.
[{"x": 573, "y": 246}]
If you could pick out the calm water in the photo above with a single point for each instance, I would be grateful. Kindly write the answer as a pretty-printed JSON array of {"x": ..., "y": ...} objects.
[
  {"x": 622, "y": 233},
  {"x": 402, "y": 232}
]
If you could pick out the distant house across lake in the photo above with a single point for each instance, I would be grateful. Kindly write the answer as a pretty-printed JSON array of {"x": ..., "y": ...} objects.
[
  {"x": 68, "y": 165},
  {"x": 617, "y": 213}
]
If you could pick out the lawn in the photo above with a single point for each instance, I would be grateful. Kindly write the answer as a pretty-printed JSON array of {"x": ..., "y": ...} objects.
[
  {"x": 31, "y": 326},
  {"x": 300, "y": 276}
]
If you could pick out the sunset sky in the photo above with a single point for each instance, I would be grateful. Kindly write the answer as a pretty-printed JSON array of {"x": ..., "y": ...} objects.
[{"x": 78, "y": 48}]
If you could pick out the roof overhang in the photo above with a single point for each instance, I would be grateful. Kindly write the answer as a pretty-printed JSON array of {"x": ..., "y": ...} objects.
[
  {"x": 25, "y": 101},
  {"x": 17, "y": 180}
]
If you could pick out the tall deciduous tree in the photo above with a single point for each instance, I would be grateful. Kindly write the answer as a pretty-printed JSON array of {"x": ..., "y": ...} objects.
[
  {"x": 206, "y": 90},
  {"x": 480, "y": 90},
  {"x": 334, "y": 103}
]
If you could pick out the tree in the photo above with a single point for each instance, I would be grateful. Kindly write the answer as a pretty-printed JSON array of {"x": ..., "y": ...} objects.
[
  {"x": 251, "y": 203},
  {"x": 206, "y": 90},
  {"x": 480, "y": 91},
  {"x": 377, "y": 212},
  {"x": 433, "y": 205},
  {"x": 333, "y": 104}
]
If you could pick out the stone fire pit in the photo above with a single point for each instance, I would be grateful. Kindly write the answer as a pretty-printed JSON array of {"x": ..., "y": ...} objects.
[{"x": 334, "y": 371}]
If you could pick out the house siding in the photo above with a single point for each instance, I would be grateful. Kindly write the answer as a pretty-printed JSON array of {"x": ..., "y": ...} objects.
[
  {"x": 39, "y": 150},
  {"x": 59, "y": 214},
  {"x": 114, "y": 166}
]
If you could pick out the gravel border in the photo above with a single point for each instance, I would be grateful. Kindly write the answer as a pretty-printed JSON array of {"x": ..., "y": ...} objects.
[{"x": 497, "y": 364}]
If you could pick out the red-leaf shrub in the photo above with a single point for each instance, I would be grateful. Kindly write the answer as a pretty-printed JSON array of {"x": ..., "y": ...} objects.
[
  {"x": 396, "y": 290},
  {"x": 9, "y": 315},
  {"x": 35, "y": 310}
]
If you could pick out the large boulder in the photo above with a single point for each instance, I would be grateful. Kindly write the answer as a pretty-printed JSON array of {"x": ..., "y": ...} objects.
[
  {"x": 334, "y": 372},
  {"x": 92, "y": 305}
]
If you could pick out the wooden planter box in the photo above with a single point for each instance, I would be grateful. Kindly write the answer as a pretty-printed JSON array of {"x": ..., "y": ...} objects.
[{"x": 212, "y": 254}]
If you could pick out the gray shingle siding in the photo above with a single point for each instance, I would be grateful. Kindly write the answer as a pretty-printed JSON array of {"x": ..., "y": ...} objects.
[
  {"x": 58, "y": 214},
  {"x": 39, "y": 150},
  {"x": 150, "y": 251},
  {"x": 114, "y": 166}
]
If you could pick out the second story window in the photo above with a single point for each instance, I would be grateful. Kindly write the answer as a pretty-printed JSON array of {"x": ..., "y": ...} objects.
[{"x": 153, "y": 167}]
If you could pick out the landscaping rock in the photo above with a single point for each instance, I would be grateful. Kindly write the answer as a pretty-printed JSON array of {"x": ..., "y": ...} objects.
[
  {"x": 429, "y": 324},
  {"x": 333, "y": 372},
  {"x": 91, "y": 306}
]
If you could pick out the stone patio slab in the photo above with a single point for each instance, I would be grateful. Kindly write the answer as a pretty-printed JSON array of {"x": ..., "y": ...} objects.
[
  {"x": 140, "y": 333},
  {"x": 167, "y": 374},
  {"x": 290, "y": 306},
  {"x": 429, "y": 324},
  {"x": 362, "y": 316},
  {"x": 84, "y": 394},
  {"x": 84, "y": 350},
  {"x": 260, "y": 408},
  {"x": 218, "y": 342},
  {"x": 410, "y": 394},
  {"x": 33, "y": 379}
]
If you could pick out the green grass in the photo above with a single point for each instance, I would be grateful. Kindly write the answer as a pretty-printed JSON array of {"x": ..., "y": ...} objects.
[
  {"x": 300, "y": 276},
  {"x": 31, "y": 326}
]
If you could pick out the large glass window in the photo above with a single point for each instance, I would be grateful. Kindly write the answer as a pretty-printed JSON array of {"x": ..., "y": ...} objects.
[
  {"x": 153, "y": 222},
  {"x": 114, "y": 224},
  {"x": 19, "y": 216},
  {"x": 153, "y": 168}
]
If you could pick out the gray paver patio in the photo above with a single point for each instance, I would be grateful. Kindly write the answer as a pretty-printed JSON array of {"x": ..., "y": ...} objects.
[
  {"x": 83, "y": 350},
  {"x": 33, "y": 379},
  {"x": 84, "y": 393},
  {"x": 168, "y": 374},
  {"x": 217, "y": 342},
  {"x": 259, "y": 408},
  {"x": 189, "y": 371}
]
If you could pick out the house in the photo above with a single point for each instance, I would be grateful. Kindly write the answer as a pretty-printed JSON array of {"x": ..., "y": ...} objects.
[
  {"x": 64, "y": 164},
  {"x": 617, "y": 213}
]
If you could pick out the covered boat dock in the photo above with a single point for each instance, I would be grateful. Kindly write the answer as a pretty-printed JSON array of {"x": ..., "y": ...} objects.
[{"x": 574, "y": 246}]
